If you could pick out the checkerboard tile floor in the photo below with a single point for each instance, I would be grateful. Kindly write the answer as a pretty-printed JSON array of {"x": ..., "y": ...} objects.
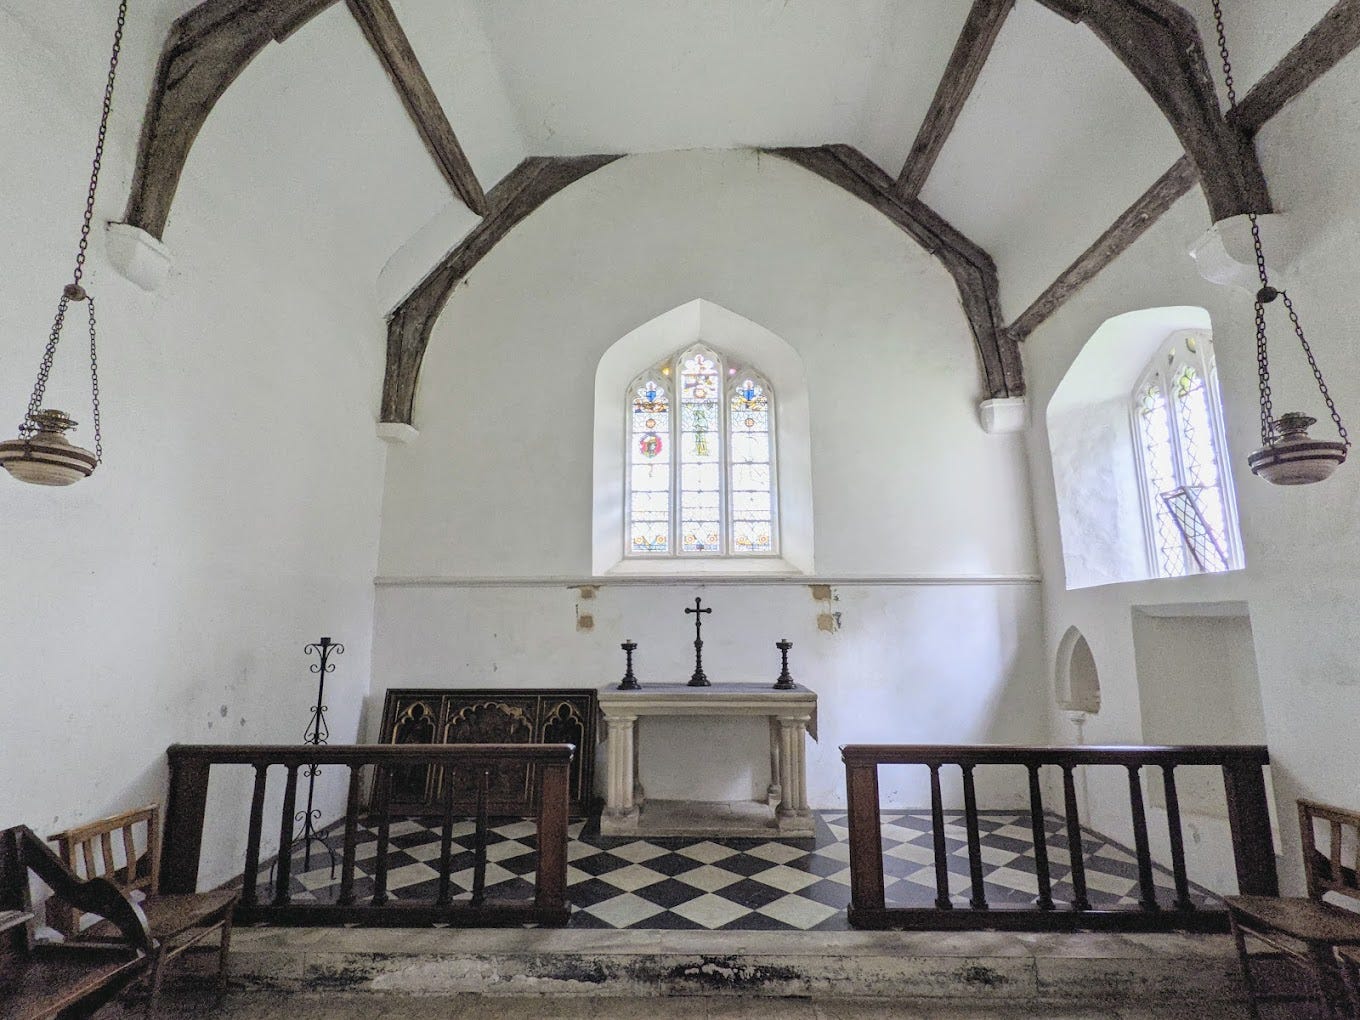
[{"x": 739, "y": 884}]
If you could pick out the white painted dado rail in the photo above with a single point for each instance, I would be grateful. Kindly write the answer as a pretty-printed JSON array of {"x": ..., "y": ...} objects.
[{"x": 563, "y": 581}]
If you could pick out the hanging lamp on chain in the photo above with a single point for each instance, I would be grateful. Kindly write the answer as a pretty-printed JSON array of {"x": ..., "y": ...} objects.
[
  {"x": 1288, "y": 455},
  {"x": 42, "y": 454}
]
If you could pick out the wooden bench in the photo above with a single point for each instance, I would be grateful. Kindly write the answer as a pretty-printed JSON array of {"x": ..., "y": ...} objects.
[
  {"x": 40, "y": 982},
  {"x": 177, "y": 922},
  {"x": 1305, "y": 931}
]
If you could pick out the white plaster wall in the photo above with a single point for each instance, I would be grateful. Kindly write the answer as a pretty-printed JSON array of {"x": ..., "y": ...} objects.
[
  {"x": 1097, "y": 494},
  {"x": 1302, "y": 578},
  {"x": 905, "y": 483},
  {"x": 168, "y": 597},
  {"x": 904, "y": 479}
]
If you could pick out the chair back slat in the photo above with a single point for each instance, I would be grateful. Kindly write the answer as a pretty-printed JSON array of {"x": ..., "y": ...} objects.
[
  {"x": 92, "y": 851},
  {"x": 1327, "y": 872}
]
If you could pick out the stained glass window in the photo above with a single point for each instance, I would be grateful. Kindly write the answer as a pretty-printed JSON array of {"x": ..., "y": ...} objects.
[
  {"x": 752, "y": 497},
  {"x": 1181, "y": 453},
  {"x": 700, "y": 455},
  {"x": 701, "y": 481},
  {"x": 649, "y": 490}
]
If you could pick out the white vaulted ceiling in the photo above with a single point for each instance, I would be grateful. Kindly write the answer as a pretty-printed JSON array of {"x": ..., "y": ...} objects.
[
  {"x": 652, "y": 75},
  {"x": 1056, "y": 139}
]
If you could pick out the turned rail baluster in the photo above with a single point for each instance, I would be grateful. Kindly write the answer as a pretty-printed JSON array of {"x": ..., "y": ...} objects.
[
  {"x": 942, "y": 900},
  {"x": 283, "y": 872},
  {"x": 383, "y": 783},
  {"x": 978, "y": 901},
  {"x": 346, "y": 897},
  {"x": 1074, "y": 848},
  {"x": 1173, "y": 823},
  {"x": 251, "y": 878},
  {"x": 1147, "y": 898},
  {"x": 446, "y": 841},
  {"x": 1040, "y": 833}
]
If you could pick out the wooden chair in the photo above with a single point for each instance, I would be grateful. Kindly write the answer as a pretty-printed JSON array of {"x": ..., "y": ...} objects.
[
  {"x": 177, "y": 922},
  {"x": 53, "y": 982},
  {"x": 1305, "y": 931}
]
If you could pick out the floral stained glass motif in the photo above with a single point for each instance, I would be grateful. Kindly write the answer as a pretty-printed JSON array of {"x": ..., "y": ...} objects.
[
  {"x": 1159, "y": 467},
  {"x": 752, "y": 498},
  {"x": 700, "y": 452},
  {"x": 649, "y": 492}
]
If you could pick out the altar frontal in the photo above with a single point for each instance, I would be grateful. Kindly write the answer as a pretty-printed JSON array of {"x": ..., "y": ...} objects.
[{"x": 790, "y": 708}]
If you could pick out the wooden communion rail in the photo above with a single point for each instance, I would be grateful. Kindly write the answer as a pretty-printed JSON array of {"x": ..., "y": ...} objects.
[
  {"x": 548, "y": 767},
  {"x": 1248, "y": 819}
]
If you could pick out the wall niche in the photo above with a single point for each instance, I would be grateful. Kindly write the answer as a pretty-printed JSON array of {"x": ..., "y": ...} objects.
[{"x": 1077, "y": 681}]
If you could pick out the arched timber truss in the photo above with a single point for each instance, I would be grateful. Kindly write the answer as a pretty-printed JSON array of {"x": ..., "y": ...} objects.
[{"x": 1157, "y": 40}]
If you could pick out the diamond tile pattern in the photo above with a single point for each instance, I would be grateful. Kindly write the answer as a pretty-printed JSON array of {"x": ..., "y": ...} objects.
[{"x": 742, "y": 884}]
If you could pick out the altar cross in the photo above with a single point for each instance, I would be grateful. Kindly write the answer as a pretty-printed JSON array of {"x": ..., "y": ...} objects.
[{"x": 698, "y": 679}]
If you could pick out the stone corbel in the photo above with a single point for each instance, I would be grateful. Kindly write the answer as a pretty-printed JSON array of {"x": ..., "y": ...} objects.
[
  {"x": 1225, "y": 254},
  {"x": 137, "y": 255},
  {"x": 397, "y": 433},
  {"x": 1002, "y": 415}
]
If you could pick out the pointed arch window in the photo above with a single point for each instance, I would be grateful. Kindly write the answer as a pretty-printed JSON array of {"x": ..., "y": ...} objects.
[
  {"x": 701, "y": 462},
  {"x": 1189, "y": 507}
]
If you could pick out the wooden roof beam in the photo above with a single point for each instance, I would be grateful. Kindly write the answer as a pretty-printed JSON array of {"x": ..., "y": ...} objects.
[
  {"x": 974, "y": 45},
  {"x": 1159, "y": 42},
  {"x": 204, "y": 52},
  {"x": 973, "y": 270},
  {"x": 1330, "y": 40},
  {"x": 518, "y": 194},
  {"x": 385, "y": 34}
]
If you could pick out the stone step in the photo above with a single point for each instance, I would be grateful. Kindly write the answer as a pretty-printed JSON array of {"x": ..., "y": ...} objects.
[{"x": 1003, "y": 968}]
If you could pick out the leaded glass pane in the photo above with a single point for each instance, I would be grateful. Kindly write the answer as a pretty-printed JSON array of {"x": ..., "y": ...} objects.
[
  {"x": 1159, "y": 467},
  {"x": 700, "y": 454},
  {"x": 1197, "y": 451},
  {"x": 649, "y": 509},
  {"x": 752, "y": 497}
]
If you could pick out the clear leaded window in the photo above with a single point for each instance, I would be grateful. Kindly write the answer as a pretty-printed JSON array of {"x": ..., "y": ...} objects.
[
  {"x": 1187, "y": 496},
  {"x": 701, "y": 461}
]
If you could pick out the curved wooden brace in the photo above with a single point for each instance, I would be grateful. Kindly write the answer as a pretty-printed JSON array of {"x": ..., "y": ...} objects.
[
  {"x": 204, "y": 53},
  {"x": 518, "y": 194},
  {"x": 973, "y": 270},
  {"x": 1158, "y": 41},
  {"x": 536, "y": 180}
]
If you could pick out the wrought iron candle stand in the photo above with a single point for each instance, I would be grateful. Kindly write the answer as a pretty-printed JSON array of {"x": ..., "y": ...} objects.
[
  {"x": 629, "y": 682},
  {"x": 317, "y": 733},
  {"x": 784, "y": 681}
]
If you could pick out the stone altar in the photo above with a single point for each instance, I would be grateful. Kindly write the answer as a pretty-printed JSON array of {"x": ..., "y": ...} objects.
[{"x": 784, "y": 812}]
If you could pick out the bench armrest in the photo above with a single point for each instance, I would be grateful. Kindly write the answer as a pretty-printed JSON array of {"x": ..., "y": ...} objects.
[{"x": 93, "y": 896}]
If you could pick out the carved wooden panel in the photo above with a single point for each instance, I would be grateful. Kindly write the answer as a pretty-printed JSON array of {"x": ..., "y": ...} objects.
[{"x": 419, "y": 716}]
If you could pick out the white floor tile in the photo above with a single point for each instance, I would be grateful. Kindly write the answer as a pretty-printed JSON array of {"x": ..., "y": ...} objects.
[
  {"x": 623, "y": 911},
  {"x": 710, "y": 911},
  {"x": 797, "y": 911}
]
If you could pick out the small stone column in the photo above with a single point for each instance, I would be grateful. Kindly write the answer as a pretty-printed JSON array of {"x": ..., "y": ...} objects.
[
  {"x": 774, "y": 791},
  {"x": 620, "y": 812},
  {"x": 792, "y": 815}
]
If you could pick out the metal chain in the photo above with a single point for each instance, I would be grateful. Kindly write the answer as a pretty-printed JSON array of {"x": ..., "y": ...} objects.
[
  {"x": 27, "y": 428},
  {"x": 74, "y": 291},
  {"x": 1223, "y": 52},
  {"x": 94, "y": 387},
  {"x": 1267, "y": 293},
  {"x": 1263, "y": 377},
  {"x": 1317, "y": 373}
]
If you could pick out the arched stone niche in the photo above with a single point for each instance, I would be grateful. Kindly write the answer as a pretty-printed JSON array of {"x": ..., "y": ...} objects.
[
  {"x": 749, "y": 342},
  {"x": 1077, "y": 681}
]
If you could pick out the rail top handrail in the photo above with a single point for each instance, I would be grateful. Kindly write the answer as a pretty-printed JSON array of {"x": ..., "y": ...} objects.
[
  {"x": 368, "y": 754},
  {"x": 1028, "y": 754}
]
